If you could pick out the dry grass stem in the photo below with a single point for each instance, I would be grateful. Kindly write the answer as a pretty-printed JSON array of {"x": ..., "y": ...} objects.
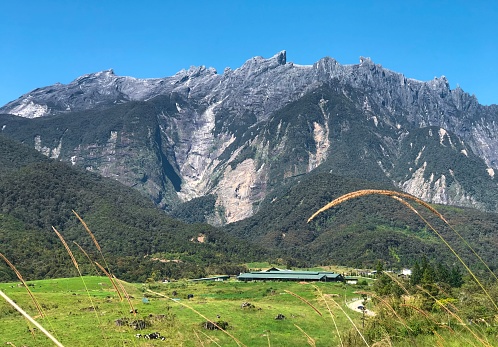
[
  {"x": 305, "y": 301},
  {"x": 474, "y": 252},
  {"x": 82, "y": 279},
  {"x": 365, "y": 192},
  {"x": 127, "y": 296},
  {"x": 68, "y": 250},
  {"x": 311, "y": 341},
  {"x": 351, "y": 321},
  {"x": 19, "y": 276},
  {"x": 199, "y": 338},
  {"x": 110, "y": 279},
  {"x": 450, "y": 248},
  {"x": 439, "y": 338},
  {"x": 457, "y": 317},
  {"x": 88, "y": 230},
  {"x": 440, "y": 216},
  {"x": 331, "y": 314},
  {"x": 401, "y": 320},
  {"x": 441, "y": 325},
  {"x": 29, "y": 318},
  {"x": 87, "y": 256},
  {"x": 199, "y": 314},
  {"x": 385, "y": 342},
  {"x": 93, "y": 239},
  {"x": 211, "y": 339},
  {"x": 438, "y": 342},
  {"x": 397, "y": 282},
  {"x": 400, "y": 197}
]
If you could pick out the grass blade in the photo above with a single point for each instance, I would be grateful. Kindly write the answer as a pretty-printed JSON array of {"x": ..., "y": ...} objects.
[
  {"x": 29, "y": 318},
  {"x": 305, "y": 301},
  {"x": 311, "y": 341},
  {"x": 400, "y": 197},
  {"x": 19, "y": 276}
]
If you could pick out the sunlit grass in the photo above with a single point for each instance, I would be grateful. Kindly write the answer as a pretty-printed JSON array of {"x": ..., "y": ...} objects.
[{"x": 67, "y": 305}]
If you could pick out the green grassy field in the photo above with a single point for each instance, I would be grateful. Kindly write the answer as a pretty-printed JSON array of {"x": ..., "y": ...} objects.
[
  {"x": 70, "y": 315},
  {"x": 73, "y": 320}
]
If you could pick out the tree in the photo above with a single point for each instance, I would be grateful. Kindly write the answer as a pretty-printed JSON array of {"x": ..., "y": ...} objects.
[
  {"x": 416, "y": 276},
  {"x": 455, "y": 277},
  {"x": 428, "y": 276},
  {"x": 379, "y": 267}
]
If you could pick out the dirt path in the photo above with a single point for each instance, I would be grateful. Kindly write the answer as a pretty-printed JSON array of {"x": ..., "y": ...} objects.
[{"x": 353, "y": 305}]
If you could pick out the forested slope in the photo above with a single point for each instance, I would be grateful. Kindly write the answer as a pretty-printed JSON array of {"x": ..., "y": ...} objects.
[{"x": 37, "y": 193}]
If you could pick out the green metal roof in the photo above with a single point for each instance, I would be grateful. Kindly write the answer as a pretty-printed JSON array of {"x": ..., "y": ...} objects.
[{"x": 289, "y": 275}]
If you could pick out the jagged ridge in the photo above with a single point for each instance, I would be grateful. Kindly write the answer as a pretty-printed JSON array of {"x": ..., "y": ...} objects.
[{"x": 240, "y": 134}]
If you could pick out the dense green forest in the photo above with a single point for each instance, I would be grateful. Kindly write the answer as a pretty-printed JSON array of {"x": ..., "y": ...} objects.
[{"x": 137, "y": 239}]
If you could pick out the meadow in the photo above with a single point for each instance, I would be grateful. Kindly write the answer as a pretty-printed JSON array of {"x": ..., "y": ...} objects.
[
  {"x": 78, "y": 317},
  {"x": 85, "y": 314}
]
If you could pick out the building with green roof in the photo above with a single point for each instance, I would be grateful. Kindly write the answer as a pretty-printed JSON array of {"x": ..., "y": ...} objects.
[{"x": 289, "y": 275}]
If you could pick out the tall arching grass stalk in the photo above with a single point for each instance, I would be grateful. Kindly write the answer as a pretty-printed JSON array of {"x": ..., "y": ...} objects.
[
  {"x": 450, "y": 248},
  {"x": 127, "y": 296},
  {"x": 30, "y": 319},
  {"x": 88, "y": 257},
  {"x": 311, "y": 341},
  {"x": 75, "y": 263},
  {"x": 107, "y": 273},
  {"x": 110, "y": 279},
  {"x": 305, "y": 301},
  {"x": 351, "y": 321},
  {"x": 198, "y": 338},
  {"x": 331, "y": 314},
  {"x": 210, "y": 339},
  {"x": 19, "y": 276},
  {"x": 457, "y": 317},
  {"x": 400, "y": 197},
  {"x": 385, "y": 303}
]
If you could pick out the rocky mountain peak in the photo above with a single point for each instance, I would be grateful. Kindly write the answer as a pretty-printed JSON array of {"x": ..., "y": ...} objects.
[
  {"x": 98, "y": 77},
  {"x": 366, "y": 61},
  {"x": 237, "y": 135},
  {"x": 259, "y": 64},
  {"x": 280, "y": 57},
  {"x": 197, "y": 71}
]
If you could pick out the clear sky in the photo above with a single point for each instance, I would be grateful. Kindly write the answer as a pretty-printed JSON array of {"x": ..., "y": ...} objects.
[{"x": 47, "y": 41}]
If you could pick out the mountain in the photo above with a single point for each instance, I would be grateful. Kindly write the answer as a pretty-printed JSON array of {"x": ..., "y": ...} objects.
[
  {"x": 136, "y": 238},
  {"x": 211, "y": 147}
]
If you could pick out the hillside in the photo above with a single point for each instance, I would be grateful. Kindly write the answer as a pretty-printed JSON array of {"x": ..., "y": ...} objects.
[
  {"x": 360, "y": 232},
  {"x": 36, "y": 193}
]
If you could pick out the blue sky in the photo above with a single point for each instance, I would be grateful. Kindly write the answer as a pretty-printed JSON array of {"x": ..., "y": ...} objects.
[{"x": 44, "y": 42}]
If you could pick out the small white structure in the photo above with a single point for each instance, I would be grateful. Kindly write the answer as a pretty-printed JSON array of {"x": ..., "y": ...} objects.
[
  {"x": 351, "y": 280},
  {"x": 406, "y": 272}
]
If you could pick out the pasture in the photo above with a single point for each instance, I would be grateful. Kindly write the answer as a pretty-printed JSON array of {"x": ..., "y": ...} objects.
[{"x": 97, "y": 317}]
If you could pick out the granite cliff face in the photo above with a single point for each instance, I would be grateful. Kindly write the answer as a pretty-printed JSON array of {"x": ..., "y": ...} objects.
[{"x": 241, "y": 134}]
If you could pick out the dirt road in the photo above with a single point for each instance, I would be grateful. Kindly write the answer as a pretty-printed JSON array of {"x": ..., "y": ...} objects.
[{"x": 358, "y": 303}]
